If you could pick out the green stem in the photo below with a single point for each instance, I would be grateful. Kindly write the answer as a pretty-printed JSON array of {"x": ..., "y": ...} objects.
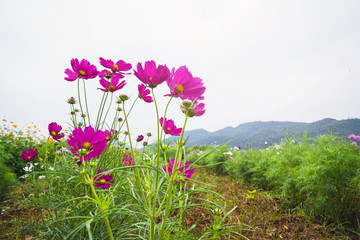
[
  {"x": 81, "y": 109},
  {"x": 98, "y": 118},
  {"x": 172, "y": 179},
  {"x": 87, "y": 110},
  {"x": 100, "y": 205},
  {"x": 107, "y": 112}
]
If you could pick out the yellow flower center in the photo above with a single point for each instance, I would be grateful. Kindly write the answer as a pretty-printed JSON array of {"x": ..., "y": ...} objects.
[
  {"x": 150, "y": 78},
  {"x": 179, "y": 89},
  {"x": 107, "y": 138},
  {"x": 82, "y": 73},
  {"x": 168, "y": 129},
  {"x": 179, "y": 172},
  {"x": 53, "y": 133},
  {"x": 116, "y": 67},
  {"x": 86, "y": 145},
  {"x": 103, "y": 180},
  {"x": 29, "y": 157},
  {"x": 111, "y": 88}
]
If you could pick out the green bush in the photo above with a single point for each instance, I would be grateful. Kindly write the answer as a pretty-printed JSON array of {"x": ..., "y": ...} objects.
[
  {"x": 7, "y": 181},
  {"x": 320, "y": 176}
]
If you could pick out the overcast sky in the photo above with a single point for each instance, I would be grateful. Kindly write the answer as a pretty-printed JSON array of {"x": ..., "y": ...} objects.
[{"x": 260, "y": 60}]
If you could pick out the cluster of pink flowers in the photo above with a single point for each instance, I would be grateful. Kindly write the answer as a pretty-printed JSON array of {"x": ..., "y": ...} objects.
[
  {"x": 181, "y": 82},
  {"x": 127, "y": 159},
  {"x": 88, "y": 143},
  {"x": 354, "y": 137}
]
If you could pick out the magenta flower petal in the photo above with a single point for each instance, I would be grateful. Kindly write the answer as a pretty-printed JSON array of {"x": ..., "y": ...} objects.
[
  {"x": 169, "y": 127},
  {"x": 81, "y": 69},
  {"x": 54, "y": 131},
  {"x": 152, "y": 75},
  {"x": 87, "y": 143},
  {"x": 103, "y": 180},
  {"x": 144, "y": 93},
  {"x": 185, "y": 170},
  {"x": 29, "y": 154},
  {"x": 183, "y": 85},
  {"x": 120, "y": 67},
  {"x": 112, "y": 85},
  {"x": 127, "y": 159},
  {"x": 196, "y": 109}
]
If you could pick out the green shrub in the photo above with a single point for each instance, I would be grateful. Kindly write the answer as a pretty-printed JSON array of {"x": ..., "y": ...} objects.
[{"x": 7, "y": 181}]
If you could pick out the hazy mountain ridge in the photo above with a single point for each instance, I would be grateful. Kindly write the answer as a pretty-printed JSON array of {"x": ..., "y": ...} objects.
[{"x": 256, "y": 133}]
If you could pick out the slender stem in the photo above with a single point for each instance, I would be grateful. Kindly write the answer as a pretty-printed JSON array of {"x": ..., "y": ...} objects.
[
  {"x": 166, "y": 108},
  {"x": 98, "y": 115},
  {"x": 81, "y": 109},
  {"x": 100, "y": 205},
  {"x": 168, "y": 195},
  {"x": 107, "y": 112},
  {"x": 87, "y": 110},
  {"x": 128, "y": 132}
]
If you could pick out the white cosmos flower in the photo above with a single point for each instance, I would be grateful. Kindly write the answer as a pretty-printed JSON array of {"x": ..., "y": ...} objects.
[
  {"x": 28, "y": 167},
  {"x": 228, "y": 153}
]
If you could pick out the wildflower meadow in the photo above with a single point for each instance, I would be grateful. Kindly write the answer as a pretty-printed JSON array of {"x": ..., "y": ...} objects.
[
  {"x": 106, "y": 183},
  {"x": 95, "y": 179}
]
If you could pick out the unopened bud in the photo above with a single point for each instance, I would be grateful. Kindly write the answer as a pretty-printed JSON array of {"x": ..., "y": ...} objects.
[
  {"x": 187, "y": 104},
  {"x": 123, "y": 97},
  {"x": 71, "y": 100}
]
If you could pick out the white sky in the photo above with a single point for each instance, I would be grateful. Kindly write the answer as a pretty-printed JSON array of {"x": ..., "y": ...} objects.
[{"x": 261, "y": 60}]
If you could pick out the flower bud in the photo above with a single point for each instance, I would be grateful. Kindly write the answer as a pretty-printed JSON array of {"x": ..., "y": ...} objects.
[
  {"x": 187, "y": 104},
  {"x": 92, "y": 164},
  {"x": 120, "y": 119},
  {"x": 217, "y": 211},
  {"x": 71, "y": 100},
  {"x": 148, "y": 134},
  {"x": 83, "y": 151},
  {"x": 139, "y": 138},
  {"x": 72, "y": 113},
  {"x": 123, "y": 97},
  {"x": 119, "y": 109}
]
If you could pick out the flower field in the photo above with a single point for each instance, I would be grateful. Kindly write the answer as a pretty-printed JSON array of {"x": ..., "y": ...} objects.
[{"x": 96, "y": 180}]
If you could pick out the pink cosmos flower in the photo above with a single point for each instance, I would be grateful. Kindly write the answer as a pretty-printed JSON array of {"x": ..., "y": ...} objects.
[
  {"x": 169, "y": 127},
  {"x": 103, "y": 181},
  {"x": 54, "y": 131},
  {"x": 144, "y": 93},
  {"x": 107, "y": 74},
  {"x": 128, "y": 160},
  {"x": 110, "y": 134},
  {"x": 120, "y": 67},
  {"x": 29, "y": 154},
  {"x": 195, "y": 109},
  {"x": 183, "y": 85},
  {"x": 112, "y": 85},
  {"x": 152, "y": 75},
  {"x": 87, "y": 143},
  {"x": 80, "y": 70},
  {"x": 184, "y": 170}
]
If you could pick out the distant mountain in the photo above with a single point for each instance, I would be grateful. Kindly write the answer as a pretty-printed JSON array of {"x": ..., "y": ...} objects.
[{"x": 256, "y": 133}]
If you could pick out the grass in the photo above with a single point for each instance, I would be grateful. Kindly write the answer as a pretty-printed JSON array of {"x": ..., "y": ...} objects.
[{"x": 258, "y": 214}]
